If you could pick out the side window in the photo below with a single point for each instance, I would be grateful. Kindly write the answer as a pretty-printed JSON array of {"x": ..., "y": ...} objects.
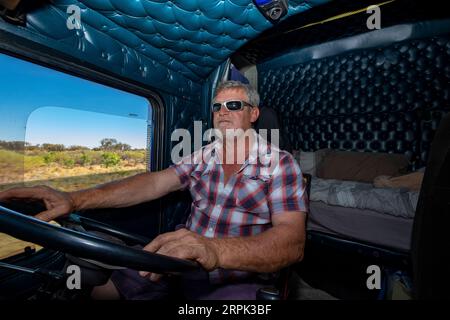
[{"x": 66, "y": 132}]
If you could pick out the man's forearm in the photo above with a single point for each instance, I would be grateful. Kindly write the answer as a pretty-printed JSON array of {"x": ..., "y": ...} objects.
[
  {"x": 123, "y": 193},
  {"x": 266, "y": 252}
]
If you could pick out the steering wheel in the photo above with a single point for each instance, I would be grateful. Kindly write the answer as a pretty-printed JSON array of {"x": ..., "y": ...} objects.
[{"x": 89, "y": 246}]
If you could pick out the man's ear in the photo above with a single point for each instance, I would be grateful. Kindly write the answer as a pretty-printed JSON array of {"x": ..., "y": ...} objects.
[{"x": 254, "y": 114}]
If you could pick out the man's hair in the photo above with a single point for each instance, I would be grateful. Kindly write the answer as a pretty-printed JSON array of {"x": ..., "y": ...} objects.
[{"x": 252, "y": 94}]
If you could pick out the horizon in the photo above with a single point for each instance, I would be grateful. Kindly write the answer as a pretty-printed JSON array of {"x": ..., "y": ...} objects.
[{"x": 69, "y": 146}]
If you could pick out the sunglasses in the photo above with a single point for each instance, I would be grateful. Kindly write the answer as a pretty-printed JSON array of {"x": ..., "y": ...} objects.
[{"x": 234, "y": 105}]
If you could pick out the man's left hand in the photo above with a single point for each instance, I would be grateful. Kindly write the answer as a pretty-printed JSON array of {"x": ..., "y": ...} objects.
[{"x": 184, "y": 244}]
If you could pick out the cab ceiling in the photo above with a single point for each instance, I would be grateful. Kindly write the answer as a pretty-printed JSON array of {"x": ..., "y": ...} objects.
[{"x": 152, "y": 41}]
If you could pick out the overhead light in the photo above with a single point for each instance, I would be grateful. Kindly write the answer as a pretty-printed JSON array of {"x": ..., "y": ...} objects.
[{"x": 273, "y": 10}]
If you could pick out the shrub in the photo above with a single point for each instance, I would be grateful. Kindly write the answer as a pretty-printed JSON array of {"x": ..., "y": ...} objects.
[
  {"x": 68, "y": 163},
  {"x": 110, "y": 159},
  {"x": 49, "y": 157},
  {"x": 135, "y": 156},
  {"x": 85, "y": 159},
  {"x": 32, "y": 162}
]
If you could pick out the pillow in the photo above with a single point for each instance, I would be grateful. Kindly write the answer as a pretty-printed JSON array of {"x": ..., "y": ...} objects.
[
  {"x": 320, "y": 155},
  {"x": 309, "y": 161},
  {"x": 361, "y": 166}
]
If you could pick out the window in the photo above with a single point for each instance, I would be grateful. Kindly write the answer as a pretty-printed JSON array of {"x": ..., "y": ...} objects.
[
  {"x": 70, "y": 149},
  {"x": 67, "y": 132}
]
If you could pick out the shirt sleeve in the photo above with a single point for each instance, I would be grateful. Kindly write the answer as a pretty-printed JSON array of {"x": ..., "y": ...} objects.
[
  {"x": 287, "y": 191},
  {"x": 183, "y": 170}
]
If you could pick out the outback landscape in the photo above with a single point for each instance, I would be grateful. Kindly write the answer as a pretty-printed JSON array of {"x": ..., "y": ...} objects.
[
  {"x": 65, "y": 168},
  {"x": 68, "y": 168}
]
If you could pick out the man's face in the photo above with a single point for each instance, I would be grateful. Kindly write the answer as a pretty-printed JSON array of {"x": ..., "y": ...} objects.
[{"x": 241, "y": 119}]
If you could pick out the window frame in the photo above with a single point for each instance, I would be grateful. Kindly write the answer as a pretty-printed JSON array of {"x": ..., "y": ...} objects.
[
  {"x": 35, "y": 53},
  {"x": 25, "y": 49}
]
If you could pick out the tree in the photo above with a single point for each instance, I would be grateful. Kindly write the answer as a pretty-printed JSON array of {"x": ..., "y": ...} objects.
[
  {"x": 53, "y": 147},
  {"x": 108, "y": 143},
  {"x": 77, "y": 148},
  {"x": 122, "y": 147},
  {"x": 31, "y": 147},
  {"x": 12, "y": 145}
]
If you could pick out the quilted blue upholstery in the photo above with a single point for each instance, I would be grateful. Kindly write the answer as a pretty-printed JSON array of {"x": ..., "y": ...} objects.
[
  {"x": 387, "y": 93},
  {"x": 170, "y": 45},
  {"x": 297, "y": 6}
]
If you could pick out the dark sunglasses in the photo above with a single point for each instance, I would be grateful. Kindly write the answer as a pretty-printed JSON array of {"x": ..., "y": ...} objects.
[{"x": 234, "y": 105}]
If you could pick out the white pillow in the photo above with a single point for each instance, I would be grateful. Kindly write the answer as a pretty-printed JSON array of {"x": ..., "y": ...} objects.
[{"x": 310, "y": 160}]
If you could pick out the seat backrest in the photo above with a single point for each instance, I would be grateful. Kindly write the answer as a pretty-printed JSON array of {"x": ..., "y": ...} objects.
[
  {"x": 269, "y": 119},
  {"x": 430, "y": 240},
  {"x": 282, "y": 288}
]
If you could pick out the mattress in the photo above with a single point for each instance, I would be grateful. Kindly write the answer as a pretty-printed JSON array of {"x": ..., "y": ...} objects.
[{"x": 363, "y": 225}]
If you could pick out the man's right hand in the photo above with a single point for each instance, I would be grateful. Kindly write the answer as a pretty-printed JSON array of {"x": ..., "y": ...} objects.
[{"x": 57, "y": 203}]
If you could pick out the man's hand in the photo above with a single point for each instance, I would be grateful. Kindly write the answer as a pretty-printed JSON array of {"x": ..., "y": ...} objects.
[
  {"x": 57, "y": 203},
  {"x": 184, "y": 244}
]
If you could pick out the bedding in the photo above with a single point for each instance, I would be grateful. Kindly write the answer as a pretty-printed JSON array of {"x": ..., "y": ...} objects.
[
  {"x": 399, "y": 202},
  {"x": 362, "y": 205},
  {"x": 363, "y": 225}
]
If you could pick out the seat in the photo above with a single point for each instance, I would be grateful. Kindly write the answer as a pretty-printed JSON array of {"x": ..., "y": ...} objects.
[
  {"x": 281, "y": 288},
  {"x": 268, "y": 119}
]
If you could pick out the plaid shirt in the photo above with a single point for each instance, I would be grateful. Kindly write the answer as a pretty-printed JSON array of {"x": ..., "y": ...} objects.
[{"x": 244, "y": 206}]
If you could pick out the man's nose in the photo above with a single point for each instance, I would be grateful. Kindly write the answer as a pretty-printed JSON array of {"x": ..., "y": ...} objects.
[{"x": 223, "y": 111}]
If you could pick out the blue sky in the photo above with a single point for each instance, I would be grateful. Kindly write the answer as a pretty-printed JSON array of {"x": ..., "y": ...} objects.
[
  {"x": 75, "y": 127},
  {"x": 43, "y": 105}
]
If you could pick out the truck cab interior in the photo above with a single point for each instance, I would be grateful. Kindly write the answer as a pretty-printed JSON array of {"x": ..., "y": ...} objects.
[{"x": 360, "y": 89}]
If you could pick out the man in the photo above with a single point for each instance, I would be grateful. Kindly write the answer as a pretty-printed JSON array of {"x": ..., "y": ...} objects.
[{"x": 247, "y": 218}]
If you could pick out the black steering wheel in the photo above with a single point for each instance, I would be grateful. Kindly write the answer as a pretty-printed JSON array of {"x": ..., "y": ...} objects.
[{"x": 89, "y": 246}]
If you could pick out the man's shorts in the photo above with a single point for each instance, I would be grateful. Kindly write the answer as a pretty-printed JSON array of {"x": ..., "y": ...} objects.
[{"x": 132, "y": 286}]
